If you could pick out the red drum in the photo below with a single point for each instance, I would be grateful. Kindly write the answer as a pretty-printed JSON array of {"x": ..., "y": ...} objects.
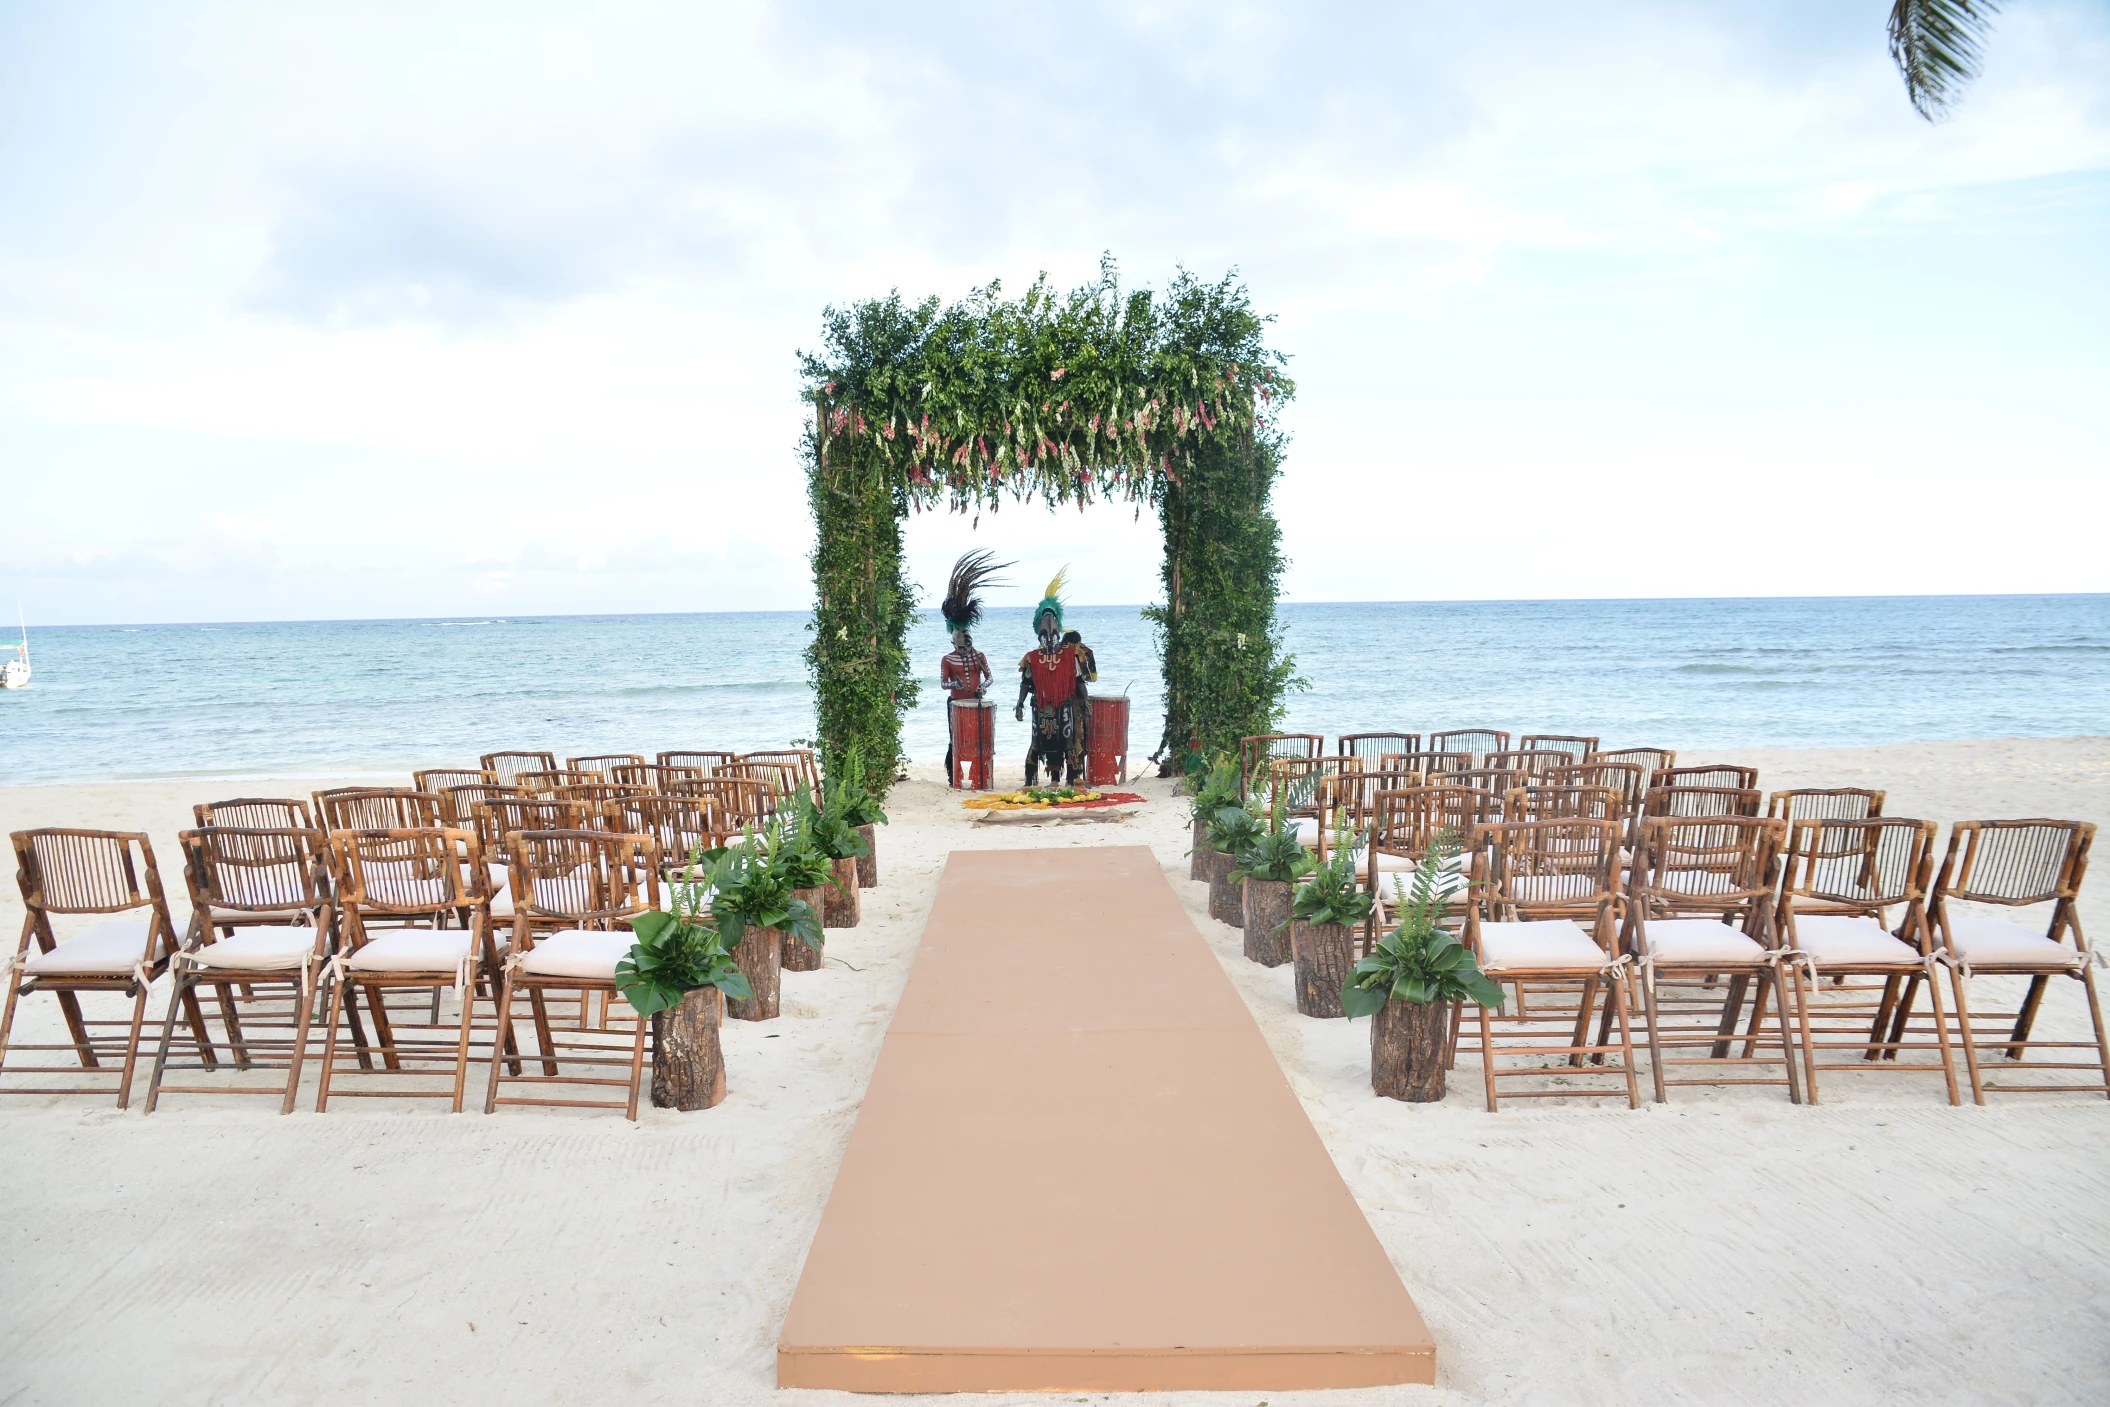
[
  {"x": 973, "y": 743},
  {"x": 1106, "y": 762}
]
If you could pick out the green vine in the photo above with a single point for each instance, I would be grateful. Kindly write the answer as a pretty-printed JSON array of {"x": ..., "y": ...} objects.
[{"x": 1097, "y": 394}]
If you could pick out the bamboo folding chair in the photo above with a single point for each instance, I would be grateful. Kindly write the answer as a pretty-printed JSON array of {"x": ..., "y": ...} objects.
[
  {"x": 1294, "y": 782},
  {"x": 652, "y": 777},
  {"x": 1404, "y": 823},
  {"x": 1824, "y": 804},
  {"x": 1625, "y": 778},
  {"x": 781, "y": 778},
  {"x": 1695, "y": 802},
  {"x": 257, "y": 812},
  {"x": 438, "y": 779},
  {"x": 1543, "y": 911},
  {"x": 1373, "y": 746},
  {"x": 736, "y": 802},
  {"x": 576, "y": 890},
  {"x": 1256, "y": 752},
  {"x": 498, "y": 817},
  {"x": 595, "y": 796},
  {"x": 1649, "y": 759},
  {"x": 245, "y": 932},
  {"x": 704, "y": 761},
  {"x": 64, "y": 872},
  {"x": 1714, "y": 774},
  {"x": 1700, "y": 907},
  {"x": 393, "y": 887},
  {"x": 458, "y": 804},
  {"x": 1843, "y": 879},
  {"x": 678, "y": 825},
  {"x": 378, "y": 808},
  {"x": 1534, "y": 762},
  {"x": 1350, "y": 799},
  {"x": 546, "y": 783},
  {"x": 2017, "y": 865},
  {"x": 1549, "y": 802},
  {"x": 1477, "y": 741},
  {"x": 1580, "y": 747},
  {"x": 1429, "y": 764},
  {"x": 506, "y": 767},
  {"x": 602, "y": 763},
  {"x": 805, "y": 760}
]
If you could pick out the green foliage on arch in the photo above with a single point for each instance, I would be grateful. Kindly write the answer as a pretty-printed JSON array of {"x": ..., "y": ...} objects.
[{"x": 1093, "y": 395}]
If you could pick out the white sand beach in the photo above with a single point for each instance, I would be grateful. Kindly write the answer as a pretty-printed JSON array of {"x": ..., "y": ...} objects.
[{"x": 1727, "y": 1247}]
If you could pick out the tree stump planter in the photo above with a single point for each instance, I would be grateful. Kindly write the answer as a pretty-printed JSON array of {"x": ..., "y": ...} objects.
[
  {"x": 1406, "y": 1050},
  {"x": 688, "y": 1063},
  {"x": 797, "y": 957},
  {"x": 1198, "y": 857},
  {"x": 868, "y": 863},
  {"x": 1325, "y": 954},
  {"x": 1267, "y": 921},
  {"x": 1226, "y": 899},
  {"x": 760, "y": 957},
  {"x": 840, "y": 905}
]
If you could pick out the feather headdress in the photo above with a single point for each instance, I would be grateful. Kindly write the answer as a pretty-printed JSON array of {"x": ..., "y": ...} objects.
[
  {"x": 962, "y": 607},
  {"x": 1053, "y": 600}
]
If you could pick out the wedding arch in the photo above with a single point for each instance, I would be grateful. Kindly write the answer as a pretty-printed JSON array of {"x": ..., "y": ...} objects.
[{"x": 1166, "y": 399}]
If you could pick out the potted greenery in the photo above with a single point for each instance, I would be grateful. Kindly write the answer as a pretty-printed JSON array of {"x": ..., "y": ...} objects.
[
  {"x": 1324, "y": 914},
  {"x": 678, "y": 975},
  {"x": 756, "y": 910},
  {"x": 1231, "y": 829},
  {"x": 1411, "y": 983},
  {"x": 808, "y": 870},
  {"x": 1269, "y": 866},
  {"x": 860, "y": 811},
  {"x": 827, "y": 827},
  {"x": 1213, "y": 787}
]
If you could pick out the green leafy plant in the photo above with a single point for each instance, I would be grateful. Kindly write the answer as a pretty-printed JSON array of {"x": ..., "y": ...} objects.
[
  {"x": 1420, "y": 961},
  {"x": 1274, "y": 853},
  {"x": 1215, "y": 787},
  {"x": 677, "y": 951},
  {"x": 826, "y": 826},
  {"x": 752, "y": 884},
  {"x": 845, "y": 790},
  {"x": 1330, "y": 895},
  {"x": 1232, "y": 828}
]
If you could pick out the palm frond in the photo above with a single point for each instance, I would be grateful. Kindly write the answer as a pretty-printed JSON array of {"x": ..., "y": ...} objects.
[{"x": 1935, "y": 44}]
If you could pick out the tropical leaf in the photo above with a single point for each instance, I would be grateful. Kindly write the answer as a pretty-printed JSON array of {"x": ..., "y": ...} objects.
[{"x": 1936, "y": 45}]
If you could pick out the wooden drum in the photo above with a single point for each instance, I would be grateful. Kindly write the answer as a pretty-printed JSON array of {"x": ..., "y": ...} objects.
[
  {"x": 973, "y": 743},
  {"x": 1106, "y": 758}
]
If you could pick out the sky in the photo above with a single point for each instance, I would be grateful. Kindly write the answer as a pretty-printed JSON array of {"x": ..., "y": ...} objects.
[{"x": 376, "y": 310}]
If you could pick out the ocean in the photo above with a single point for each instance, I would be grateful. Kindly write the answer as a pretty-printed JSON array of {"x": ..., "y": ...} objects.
[{"x": 348, "y": 697}]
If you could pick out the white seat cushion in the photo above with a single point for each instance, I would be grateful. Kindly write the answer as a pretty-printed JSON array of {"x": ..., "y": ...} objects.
[
  {"x": 578, "y": 952},
  {"x": 1984, "y": 940},
  {"x": 412, "y": 950},
  {"x": 1547, "y": 943},
  {"x": 1699, "y": 940},
  {"x": 1307, "y": 829},
  {"x": 274, "y": 945},
  {"x": 1846, "y": 940},
  {"x": 112, "y": 947}
]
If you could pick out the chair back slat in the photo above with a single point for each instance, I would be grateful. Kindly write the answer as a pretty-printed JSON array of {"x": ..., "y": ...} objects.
[
  {"x": 1649, "y": 759},
  {"x": 580, "y": 878},
  {"x": 378, "y": 808},
  {"x": 704, "y": 760},
  {"x": 1477, "y": 741},
  {"x": 1532, "y": 762},
  {"x": 1532, "y": 869},
  {"x": 63, "y": 870},
  {"x": 506, "y": 767},
  {"x": 1824, "y": 803},
  {"x": 1575, "y": 744},
  {"x": 1710, "y": 865},
  {"x": 255, "y": 869},
  {"x": 1372, "y": 746},
  {"x": 437, "y": 779},
  {"x": 601, "y": 764},
  {"x": 1712, "y": 774},
  {"x": 1870, "y": 864},
  {"x": 1701, "y": 801},
  {"x": 1550, "y": 802},
  {"x": 1429, "y": 764},
  {"x": 257, "y": 812},
  {"x": 1625, "y": 778},
  {"x": 1294, "y": 781},
  {"x": 406, "y": 870},
  {"x": 458, "y": 804},
  {"x": 2016, "y": 863}
]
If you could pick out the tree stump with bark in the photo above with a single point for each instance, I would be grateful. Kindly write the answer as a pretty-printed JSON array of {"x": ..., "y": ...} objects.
[
  {"x": 1324, "y": 954},
  {"x": 868, "y": 863},
  {"x": 1226, "y": 896},
  {"x": 1198, "y": 857},
  {"x": 760, "y": 957},
  {"x": 1267, "y": 921},
  {"x": 840, "y": 905},
  {"x": 797, "y": 956},
  {"x": 1407, "y": 1042},
  {"x": 688, "y": 1063}
]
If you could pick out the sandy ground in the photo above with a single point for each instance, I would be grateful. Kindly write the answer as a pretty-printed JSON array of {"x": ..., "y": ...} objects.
[{"x": 1724, "y": 1248}]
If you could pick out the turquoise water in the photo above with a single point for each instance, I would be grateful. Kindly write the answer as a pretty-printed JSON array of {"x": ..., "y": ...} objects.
[{"x": 348, "y": 696}]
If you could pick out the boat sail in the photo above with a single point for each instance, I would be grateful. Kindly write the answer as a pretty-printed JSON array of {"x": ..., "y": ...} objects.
[{"x": 15, "y": 673}]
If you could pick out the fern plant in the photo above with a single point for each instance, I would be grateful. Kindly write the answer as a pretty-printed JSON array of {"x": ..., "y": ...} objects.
[
  {"x": 1330, "y": 895},
  {"x": 1419, "y": 960},
  {"x": 1215, "y": 788}
]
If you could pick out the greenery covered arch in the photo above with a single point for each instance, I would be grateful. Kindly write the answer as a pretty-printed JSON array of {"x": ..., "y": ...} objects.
[{"x": 1167, "y": 399}]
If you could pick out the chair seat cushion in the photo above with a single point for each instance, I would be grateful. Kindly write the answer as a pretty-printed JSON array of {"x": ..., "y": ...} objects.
[
  {"x": 259, "y": 946},
  {"x": 1847, "y": 940},
  {"x": 1307, "y": 829},
  {"x": 578, "y": 952},
  {"x": 1546, "y": 943},
  {"x": 1699, "y": 940},
  {"x": 412, "y": 950},
  {"x": 1986, "y": 941},
  {"x": 109, "y": 948}
]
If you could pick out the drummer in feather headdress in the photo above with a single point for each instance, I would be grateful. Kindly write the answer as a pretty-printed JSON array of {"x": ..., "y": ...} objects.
[
  {"x": 1053, "y": 677},
  {"x": 965, "y": 673}
]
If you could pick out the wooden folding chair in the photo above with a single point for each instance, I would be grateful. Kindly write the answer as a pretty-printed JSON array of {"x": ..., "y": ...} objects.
[
  {"x": 678, "y": 825},
  {"x": 1404, "y": 823},
  {"x": 1373, "y": 746},
  {"x": 458, "y": 804},
  {"x": 1700, "y": 907},
  {"x": 1577, "y": 746},
  {"x": 1544, "y": 910},
  {"x": 1261, "y": 749},
  {"x": 804, "y": 761},
  {"x": 437, "y": 779},
  {"x": 1649, "y": 759},
  {"x": 1294, "y": 782},
  {"x": 602, "y": 763},
  {"x": 782, "y": 778},
  {"x": 1714, "y": 774},
  {"x": 2015, "y": 865},
  {"x": 64, "y": 872},
  {"x": 575, "y": 891},
  {"x": 1429, "y": 764},
  {"x": 1843, "y": 880},
  {"x": 261, "y": 916},
  {"x": 736, "y": 802},
  {"x": 505, "y": 767},
  {"x": 652, "y": 777},
  {"x": 1694, "y": 803},
  {"x": 547, "y": 783},
  {"x": 1548, "y": 802},
  {"x": 258, "y": 812},
  {"x": 1530, "y": 762},
  {"x": 1624, "y": 778},
  {"x": 704, "y": 760},
  {"x": 1348, "y": 799},
  {"x": 1477, "y": 741},
  {"x": 394, "y": 887},
  {"x": 1824, "y": 804},
  {"x": 378, "y": 808}
]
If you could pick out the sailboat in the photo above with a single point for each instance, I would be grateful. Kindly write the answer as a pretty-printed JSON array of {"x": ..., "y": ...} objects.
[{"x": 15, "y": 673}]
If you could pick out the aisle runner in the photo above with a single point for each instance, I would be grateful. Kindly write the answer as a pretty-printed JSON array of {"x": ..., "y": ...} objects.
[{"x": 1078, "y": 1167}]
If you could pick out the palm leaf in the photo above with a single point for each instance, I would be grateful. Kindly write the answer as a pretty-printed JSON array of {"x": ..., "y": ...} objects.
[{"x": 1936, "y": 46}]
